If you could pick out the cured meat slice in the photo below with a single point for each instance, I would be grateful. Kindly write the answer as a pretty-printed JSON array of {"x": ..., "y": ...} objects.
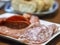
[
  {"x": 33, "y": 19},
  {"x": 37, "y": 35},
  {"x": 11, "y": 32}
]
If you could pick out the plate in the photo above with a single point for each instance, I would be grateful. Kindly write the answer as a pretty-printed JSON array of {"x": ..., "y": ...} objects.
[
  {"x": 2, "y": 4},
  {"x": 51, "y": 10},
  {"x": 5, "y": 15}
]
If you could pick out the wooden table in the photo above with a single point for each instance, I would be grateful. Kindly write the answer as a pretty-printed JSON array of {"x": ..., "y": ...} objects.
[{"x": 55, "y": 17}]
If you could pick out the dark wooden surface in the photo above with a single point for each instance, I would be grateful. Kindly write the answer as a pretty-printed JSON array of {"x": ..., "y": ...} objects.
[{"x": 55, "y": 17}]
